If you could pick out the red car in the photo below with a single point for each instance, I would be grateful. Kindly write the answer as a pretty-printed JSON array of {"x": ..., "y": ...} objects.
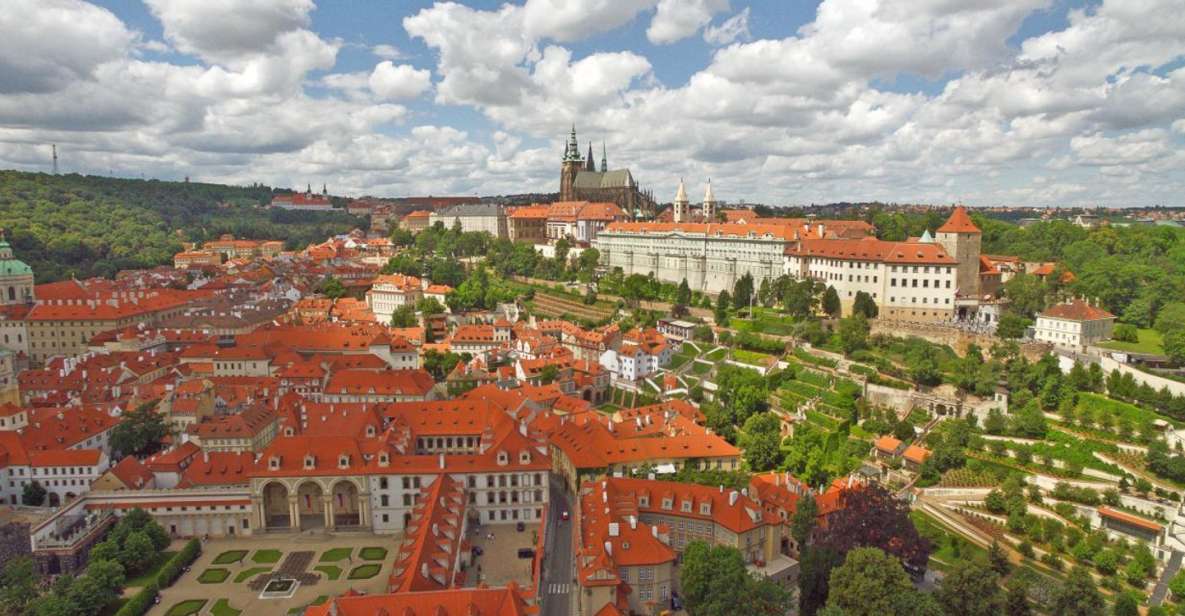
[{"x": 564, "y": 515}]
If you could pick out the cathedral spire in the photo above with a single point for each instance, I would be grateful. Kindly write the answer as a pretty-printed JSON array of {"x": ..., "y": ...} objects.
[
  {"x": 709, "y": 197},
  {"x": 572, "y": 151},
  {"x": 590, "y": 163},
  {"x": 604, "y": 161}
]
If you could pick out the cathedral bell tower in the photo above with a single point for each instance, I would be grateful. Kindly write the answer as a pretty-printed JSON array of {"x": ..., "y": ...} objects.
[{"x": 571, "y": 165}]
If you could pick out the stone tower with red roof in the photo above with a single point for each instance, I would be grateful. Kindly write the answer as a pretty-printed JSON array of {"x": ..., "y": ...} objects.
[{"x": 961, "y": 238}]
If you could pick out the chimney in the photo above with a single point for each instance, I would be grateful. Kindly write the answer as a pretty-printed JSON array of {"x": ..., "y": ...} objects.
[
  {"x": 614, "y": 529},
  {"x": 442, "y": 460},
  {"x": 732, "y": 498},
  {"x": 633, "y": 523},
  {"x": 608, "y": 548}
]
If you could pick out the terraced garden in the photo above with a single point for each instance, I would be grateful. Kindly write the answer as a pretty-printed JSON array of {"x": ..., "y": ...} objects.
[{"x": 550, "y": 305}]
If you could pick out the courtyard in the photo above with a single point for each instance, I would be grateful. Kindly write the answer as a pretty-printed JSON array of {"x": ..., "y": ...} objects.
[
  {"x": 500, "y": 562},
  {"x": 231, "y": 574}
]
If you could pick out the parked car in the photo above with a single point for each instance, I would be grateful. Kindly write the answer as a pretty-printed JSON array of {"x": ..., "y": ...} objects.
[
  {"x": 526, "y": 552},
  {"x": 520, "y": 527},
  {"x": 565, "y": 515}
]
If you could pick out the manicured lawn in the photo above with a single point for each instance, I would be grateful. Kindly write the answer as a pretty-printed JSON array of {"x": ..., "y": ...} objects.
[
  {"x": 679, "y": 359},
  {"x": 230, "y": 557},
  {"x": 701, "y": 368},
  {"x": 150, "y": 573},
  {"x": 716, "y": 355},
  {"x": 373, "y": 553},
  {"x": 331, "y": 572},
  {"x": 186, "y": 608},
  {"x": 336, "y": 554},
  {"x": 247, "y": 574},
  {"x": 222, "y": 608},
  {"x": 750, "y": 357},
  {"x": 942, "y": 540},
  {"x": 364, "y": 572},
  {"x": 1150, "y": 342},
  {"x": 214, "y": 576},
  {"x": 267, "y": 557}
]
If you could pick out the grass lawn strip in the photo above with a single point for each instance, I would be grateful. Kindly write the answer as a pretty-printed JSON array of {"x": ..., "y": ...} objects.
[
  {"x": 266, "y": 557},
  {"x": 365, "y": 572},
  {"x": 186, "y": 608},
  {"x": 331, "y": 572},
  {"x": 150, "y": 573},
  {"x": 336, "y": 554},
  {"x": 222, "y": 608},
  {"x": 214, "y": 576},
  {"x": 247, "y": 574},
  {"x": 373, "y": 553},
  {"x": 230, "y": 557}
]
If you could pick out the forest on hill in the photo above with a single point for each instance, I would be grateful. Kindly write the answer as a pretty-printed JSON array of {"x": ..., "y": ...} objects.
[{"x": 81, "y": 226}]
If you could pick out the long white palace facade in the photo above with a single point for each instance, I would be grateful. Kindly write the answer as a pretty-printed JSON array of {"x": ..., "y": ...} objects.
[{"x": 930, "y": 278}]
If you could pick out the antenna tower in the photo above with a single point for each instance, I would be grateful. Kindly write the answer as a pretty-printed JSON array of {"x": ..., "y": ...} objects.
[{"x": 55, "y": 158}]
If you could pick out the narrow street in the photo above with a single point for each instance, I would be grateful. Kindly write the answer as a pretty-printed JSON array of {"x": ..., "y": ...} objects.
[{"x": 557, "y": 578}]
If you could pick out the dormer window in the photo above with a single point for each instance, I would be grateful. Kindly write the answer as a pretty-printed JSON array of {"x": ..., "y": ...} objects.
[
  {"x": 343, "y": 461},
  {"x": 686, "y": 506},
  {"x": 524, "y": 457},
  {"x": 370, "y": 430},
  {"x": 273, "y": 463},
  {"x": 289, "y": 431},
  {"x": 643, "y": 501},
  {"x": 667, "y": 503},
  {"x": 705, "y": 509},
  {"x": 384, "y": 459},
  {"x": 310, "y": 462},
  {"x": 503, "y": 459}
]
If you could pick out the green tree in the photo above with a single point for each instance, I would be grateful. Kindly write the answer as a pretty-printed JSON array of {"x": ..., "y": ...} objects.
[
  {"x": 1026, "y": 294},
  {"x": 831, "y": 304},
  {"x": 714, "y": 579},
  {"x": 853, "y": 333},
  {"x": 998, "y": 559},
  {"x": 1011, "y": 326},
  {"x": 1171, "y": 318},
  {"x": 18, "y": 584},
  {"x": 865, "y": 305},
  {"x": 33, "y": 494},
  {"x": 404, "y": 316},
  {"x": 802, "y": 524},
  {"x": 1174, "y": 346},
  {"x": 430, "y": 306},
  {"x": 742, "y": 292},
  {"x": 723, "y": 301},
  {"x": 332, "y": 288},
  {"x": 815, "y": 567},
  {"x": 683, "y": 295},
  {"x": 1125, "y": 605},
  {"x": 140, "y": 431},
  {"x": 971, "y": 589},
  {"x": 760, "y": 439},
  {"x": 1077, "y": 595},
  {"x": 138, "y": 552},
  {"x": 869, "y": 583},
  {"x": 1016, "y": 598}
]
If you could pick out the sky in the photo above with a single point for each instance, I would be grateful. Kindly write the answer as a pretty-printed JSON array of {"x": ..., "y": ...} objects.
[{"x": 784, "y": 102}]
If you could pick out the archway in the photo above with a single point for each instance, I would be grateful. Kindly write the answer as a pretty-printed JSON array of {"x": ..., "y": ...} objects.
[
  {"x": 587, "y": 395},
  {"x": 275, "y": 506},
  {"x": 55, "y": 500},
  {"x": 310, "y": 505},
  {"x": 346, "y": 507}
]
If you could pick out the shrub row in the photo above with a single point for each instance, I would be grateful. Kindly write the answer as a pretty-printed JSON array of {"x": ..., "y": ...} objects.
[
  {"x": 140, "y": 602},
  {"x": 172, "y": 569}
]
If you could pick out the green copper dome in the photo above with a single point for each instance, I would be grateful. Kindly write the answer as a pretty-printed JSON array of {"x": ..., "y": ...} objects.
[{"x": 10, "y": 265}]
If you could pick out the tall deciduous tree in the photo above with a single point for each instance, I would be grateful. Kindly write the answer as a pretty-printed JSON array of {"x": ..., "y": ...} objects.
[
  {"x": 871, "y": 583},
  {"x": 831, "y": 304},
  {"x": 139, "y": 431},
  {"x": 872, "y": 516},
  {"x": 971, "y": 589},
  {"x": 1077, "y": 596}
]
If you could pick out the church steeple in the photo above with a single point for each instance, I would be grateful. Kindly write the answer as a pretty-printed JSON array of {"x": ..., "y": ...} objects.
[
  {"x": 709, "y": 207},
  {"x": 590, "y": 163},
  {"x": 604, "y": 161},
  {"x": 572, "y": 151},
  {"x": 681, "y": 211}
]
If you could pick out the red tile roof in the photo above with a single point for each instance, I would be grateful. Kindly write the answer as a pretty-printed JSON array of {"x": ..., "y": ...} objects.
[
  {"x": 1077, "y": 310},
  {"x": 381, "y": 383},
  {"x": 959, "y": 222},
  {"x": 872, "y": 249},
  {"x": 506, "y": 601}
]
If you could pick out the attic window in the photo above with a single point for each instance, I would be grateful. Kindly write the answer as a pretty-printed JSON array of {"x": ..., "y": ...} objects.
[
  {"x": 705, "y": 509},
  {"x": 370, "y": 430},
  {"x": 289, "y": 431},
  {"x": 273, "y": 463},
  {"x": 502, "y": 458},
  {"x": 643, "y": 501},
  {"x": 343, "y": 461},
  {"x": 384, "y": 459},
  {"x": 524, "y": 457},
  {"x": 666, "y": 503},
  {"x": 686, "y": 506},
  {"x": 310, "y": 462}
]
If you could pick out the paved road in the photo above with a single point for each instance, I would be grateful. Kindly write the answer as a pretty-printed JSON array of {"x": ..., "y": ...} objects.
[
  {"x": 1162, "y": 585},
  {"x": 557, "y": 558}
]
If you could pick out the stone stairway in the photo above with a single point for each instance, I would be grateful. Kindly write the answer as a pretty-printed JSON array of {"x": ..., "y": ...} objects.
[{"x": 1162, "y": 584}]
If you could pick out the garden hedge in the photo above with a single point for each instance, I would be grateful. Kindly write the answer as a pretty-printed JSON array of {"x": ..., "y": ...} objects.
[
  {"x": 172, "y": 569},
  {"x": 140, "y": 602}
]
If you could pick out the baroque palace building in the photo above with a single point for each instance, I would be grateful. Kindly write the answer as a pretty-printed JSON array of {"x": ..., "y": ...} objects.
[
  {"x": 580, "y": 180},
  {"x": 930, "y": 278}
]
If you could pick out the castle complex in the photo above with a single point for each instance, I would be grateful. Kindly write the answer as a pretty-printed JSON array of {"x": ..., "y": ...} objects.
[
  {"x": 581, "y": 181},
  {"x": 929, "y": 278}
]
